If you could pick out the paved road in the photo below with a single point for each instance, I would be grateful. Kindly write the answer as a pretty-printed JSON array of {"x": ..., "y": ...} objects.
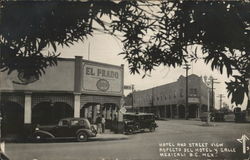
[{"x": 146, "y": 145}]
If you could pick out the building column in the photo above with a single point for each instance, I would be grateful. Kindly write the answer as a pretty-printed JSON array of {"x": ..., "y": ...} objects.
[
  {"x": 93, "y": 113},
  {"x": 89, "y": 115},
  {"x": 178, "y": 111},
  {"x": 77, "y": 105},
  {"x": 171, "y": 111},
  {"x": 27, "y": 108},
  {"x": 86, "y": 112},
  {"x": 199, "y": 111},
  {"x": 165, "y": 113}
]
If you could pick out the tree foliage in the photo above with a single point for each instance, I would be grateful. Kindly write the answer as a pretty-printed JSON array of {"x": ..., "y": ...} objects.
[
  {"x": 27, "y": 27},
  {"x": 153, "y": 33}
]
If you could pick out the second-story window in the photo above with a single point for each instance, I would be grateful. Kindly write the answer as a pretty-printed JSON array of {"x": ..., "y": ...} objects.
[{"x": 193, "y": 92}]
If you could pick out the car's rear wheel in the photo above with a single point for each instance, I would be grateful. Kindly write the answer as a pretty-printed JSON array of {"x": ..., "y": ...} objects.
[{"x": 82, "y": 137}]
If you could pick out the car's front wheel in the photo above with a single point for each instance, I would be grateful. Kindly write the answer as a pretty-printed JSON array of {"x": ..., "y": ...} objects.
[
  {"x": 130, "y": 131},
  {"x": 152, "y": 128},
  {"x": 37, "y": 138},
  {"x": 82, "y": 137}
]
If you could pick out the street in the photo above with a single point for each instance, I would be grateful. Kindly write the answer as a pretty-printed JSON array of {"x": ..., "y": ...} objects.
[{"x": 173, "y": 136}]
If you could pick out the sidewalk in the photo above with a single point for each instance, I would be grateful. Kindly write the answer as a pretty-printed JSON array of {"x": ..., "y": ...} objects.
[{"x": 109, "y": 136}]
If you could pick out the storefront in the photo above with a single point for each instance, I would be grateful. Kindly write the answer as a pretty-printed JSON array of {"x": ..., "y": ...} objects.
[{"x": 73, "y": 88}]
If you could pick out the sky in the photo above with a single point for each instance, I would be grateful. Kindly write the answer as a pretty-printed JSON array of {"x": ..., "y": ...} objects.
[{"x": 105, "y": 48}]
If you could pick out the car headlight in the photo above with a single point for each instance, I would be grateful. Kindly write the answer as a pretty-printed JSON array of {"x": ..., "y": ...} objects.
[{"x": 37, "y": 129}]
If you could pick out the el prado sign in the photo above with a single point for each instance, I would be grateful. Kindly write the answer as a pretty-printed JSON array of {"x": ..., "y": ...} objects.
[{"x": 101, "y": 78}]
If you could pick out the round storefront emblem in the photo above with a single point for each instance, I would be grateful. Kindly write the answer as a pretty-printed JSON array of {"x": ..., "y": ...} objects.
[
  {"x": 102, "y": 84},
  {"x": 24, "y": 79}
]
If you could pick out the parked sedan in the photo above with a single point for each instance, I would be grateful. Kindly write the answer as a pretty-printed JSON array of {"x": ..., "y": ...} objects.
[
  {"x": 77, "y": 128},
  {"x": 136, "y": 122}
]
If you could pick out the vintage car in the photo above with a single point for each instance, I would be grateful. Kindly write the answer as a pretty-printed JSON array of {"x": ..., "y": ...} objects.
[
  {"x": 136, "y": 122},
  {"x": 78, "y": 128}
]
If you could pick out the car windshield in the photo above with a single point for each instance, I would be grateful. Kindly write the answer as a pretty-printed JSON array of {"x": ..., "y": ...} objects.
[
  {"x": 149, "y": 117},
  {"x": 130, "y": 117},
  {"x": 136, "y": 117}
]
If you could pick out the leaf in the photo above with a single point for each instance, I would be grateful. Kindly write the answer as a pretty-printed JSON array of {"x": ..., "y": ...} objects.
[
  {"x": 53, "y": 45},
  {"x": 100, "y": 23}
]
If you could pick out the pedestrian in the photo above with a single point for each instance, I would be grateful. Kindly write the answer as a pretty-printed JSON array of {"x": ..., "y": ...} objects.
[
  {"x": 99, "y": 124},
  {"x": 103, "y": 123}
]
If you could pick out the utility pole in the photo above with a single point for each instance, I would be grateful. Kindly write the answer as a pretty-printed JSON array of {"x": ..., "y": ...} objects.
[
  {"x": 186, "y": 67},
  {"x": 2, "y": 149},
  {"x": 208, "y": 82},
  {"x": 132, "y": 97},
  {"x": 0, "y": 128},
  {"x": 208, "y": 106},
  {"x": 221, "y": 96},
  {"x": 212, "y": 83},
  {"x": 248, "y": 104}
]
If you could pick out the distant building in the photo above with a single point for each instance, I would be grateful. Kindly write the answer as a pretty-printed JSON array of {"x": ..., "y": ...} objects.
[
  {"x": 225, "y": 105},
  {"x": 128, "y": 102},
  {"x": 169, "y": 100}
]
